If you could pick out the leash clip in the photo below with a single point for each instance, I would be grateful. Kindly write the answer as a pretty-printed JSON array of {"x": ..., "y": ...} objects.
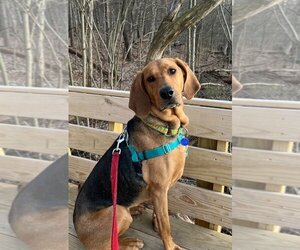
[{"x": 119, "y": 141}]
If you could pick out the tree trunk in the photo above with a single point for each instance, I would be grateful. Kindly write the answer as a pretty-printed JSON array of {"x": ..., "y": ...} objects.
[
  {"x": 40, "y": 48},
  {"x": 27, "y": 39},
  {"x": 193, "y": 47},
  {"x": 127, "y": 43},
  {"x": 4, "y": 30},
  {"x": 83, "y": 40},
  {"x": 3, "y": 70},
  {"x": 91, "y": 25},
  {"x": 71, "y": 17},
  {"x": 107, "y": 20},
  {"x": 172, "y": 26}
]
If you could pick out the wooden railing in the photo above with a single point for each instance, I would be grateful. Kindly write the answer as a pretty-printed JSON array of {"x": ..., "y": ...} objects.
[
  {"x": 34, "y": 103},
  {"x": 263, "y": 165},
  {"x": 208, "y": 119}
]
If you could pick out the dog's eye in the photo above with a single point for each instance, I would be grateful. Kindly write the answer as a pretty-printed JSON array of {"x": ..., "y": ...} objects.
[
  {"x": 150, "y": 79},
  {"x": 172, "y": 71}
]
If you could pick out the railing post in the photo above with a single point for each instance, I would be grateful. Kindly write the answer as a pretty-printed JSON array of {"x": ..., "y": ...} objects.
[
  {"x": 115, "y": 126},
  {"x": 219, "y": 146},
  {"x": 280, "y": 146}
]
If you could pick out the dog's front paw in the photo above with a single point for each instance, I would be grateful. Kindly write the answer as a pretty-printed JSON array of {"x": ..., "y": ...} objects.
[
  {"x": 130, "y": 244},
  {"x": 137, "y": 210},
  {"x": 176, "y": 247}
]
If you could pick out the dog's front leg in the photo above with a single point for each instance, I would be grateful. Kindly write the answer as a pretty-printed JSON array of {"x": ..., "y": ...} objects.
[{"x": 160, "y": 203}]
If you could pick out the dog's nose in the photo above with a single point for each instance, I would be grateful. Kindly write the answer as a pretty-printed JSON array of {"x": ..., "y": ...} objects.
[{"x": 166, "y": 93}]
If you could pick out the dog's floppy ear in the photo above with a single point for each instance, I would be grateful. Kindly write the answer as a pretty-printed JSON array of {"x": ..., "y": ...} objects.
[
  {"x": 139, "y": 100},
  {"x": 191, "y": 83}
]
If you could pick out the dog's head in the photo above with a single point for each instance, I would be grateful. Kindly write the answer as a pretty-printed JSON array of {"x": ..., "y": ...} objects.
[{"x": 161, "y": 83}]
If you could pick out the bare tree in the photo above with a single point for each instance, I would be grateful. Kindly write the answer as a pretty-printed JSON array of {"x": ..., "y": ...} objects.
[
  {"x": 40, "y": 51},
  {"x": 27, "y": 38},
  {"x": 244, "y": 9},
  {"x": 83, "y": 38},
  {"x": 172, "y": 26},
  {"x": 90, "y": 56},
  {"x": 3, "y": 70},
  {"x": 4, "y": 31}
]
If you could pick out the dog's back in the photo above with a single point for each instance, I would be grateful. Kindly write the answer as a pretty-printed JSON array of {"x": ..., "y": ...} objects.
[{"x": 95, "y": 193}]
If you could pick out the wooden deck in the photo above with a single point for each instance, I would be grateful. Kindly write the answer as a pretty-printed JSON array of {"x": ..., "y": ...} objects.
[
  {"x": 7, "y": 236},
  {"x": 259, "y": 213},
  {"x": 25, "y": 102},
  {"x": 187, "y": 235}
]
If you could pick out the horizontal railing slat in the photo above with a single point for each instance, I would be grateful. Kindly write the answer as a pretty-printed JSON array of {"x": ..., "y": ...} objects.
[
  {"x": 20, "y": 169},
  {"x": 208, "y": 165},
  {"x": 266, "y": 207},
  {"x": 265, "y": 166},
  {"x": 108, "y": 108},
  {"x": 266, "y": 123},
  {"x": 196, "y": 202},
  {"x": 46, "y": 104},
  {"x": 35, "y": 139},
  {"x": 211, "y": 123},
  {"x": 120, "y": 93},
  {"x": 204, "y": 164},
  {"x": 207, "y": 122},
  {"x": 284, "y": 104},
  {"x": 201, "y": 203}
]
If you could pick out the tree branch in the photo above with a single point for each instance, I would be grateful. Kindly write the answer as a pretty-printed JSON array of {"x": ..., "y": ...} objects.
[{"x": 171, "y": 29}]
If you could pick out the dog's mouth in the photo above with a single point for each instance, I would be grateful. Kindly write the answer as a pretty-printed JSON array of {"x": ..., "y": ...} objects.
[{"x": 170, "y": 105}]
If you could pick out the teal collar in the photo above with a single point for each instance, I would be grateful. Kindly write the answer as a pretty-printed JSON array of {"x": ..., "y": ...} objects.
[{"x": 159, "y": 151}]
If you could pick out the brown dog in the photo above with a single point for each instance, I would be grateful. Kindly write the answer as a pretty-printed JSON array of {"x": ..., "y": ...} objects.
[{"x": 156, "y": 98}]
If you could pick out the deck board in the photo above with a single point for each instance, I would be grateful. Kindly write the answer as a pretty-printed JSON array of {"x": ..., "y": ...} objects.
[
  {"x": 188, "y": 236},
  {"x": 252, "y": 238},
  {"x": 7, "y": 237}
]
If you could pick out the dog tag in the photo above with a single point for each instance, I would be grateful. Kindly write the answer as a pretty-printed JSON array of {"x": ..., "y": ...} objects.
[{"x": 184, "y": 141}]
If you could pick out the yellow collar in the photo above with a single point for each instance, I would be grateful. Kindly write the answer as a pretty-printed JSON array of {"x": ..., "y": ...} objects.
[{"x": 164, "y": 129}]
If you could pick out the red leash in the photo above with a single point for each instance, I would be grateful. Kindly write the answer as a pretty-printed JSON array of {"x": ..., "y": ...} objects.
[{"x": 114, "y": 191}]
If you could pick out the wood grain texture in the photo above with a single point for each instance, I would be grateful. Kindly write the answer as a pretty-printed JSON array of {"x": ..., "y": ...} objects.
[
  {"x": 80, "y": 168},
  {"x": 266, "y": 166},
  {"x": 7, "y": 193},
  {"x": 108, "y": 108},
  {"x": 266, "y": 123},
  {"x": 205, "y": 122},
  {"x": 36, "y": 105},
  {"x": 20, "y": 169},
  {"x": 33, "y": 90},
  {"x": 266, "y": 103},
  {"x": 211, "y": 123},
  {"x": 90, "y": 139},
  {"x": 193, "y": 201},
  {"x": 7, "y": 237},
  {"x": 200, "y": 203},
  {"x": 118, "y": 93},
  {"x": 266, "y": 207},
  {"x": 222, "y": 146},
  {"x": 187, "y": 235},
  {"x": 249, "y": 239},
  {"x": 35, "y": 139},
  {"x": 12, "y": 243},
  {"x": 280, "y": 146},
  {"x": 204, "y": 164},
  {"x": 208, "y": 165}
]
